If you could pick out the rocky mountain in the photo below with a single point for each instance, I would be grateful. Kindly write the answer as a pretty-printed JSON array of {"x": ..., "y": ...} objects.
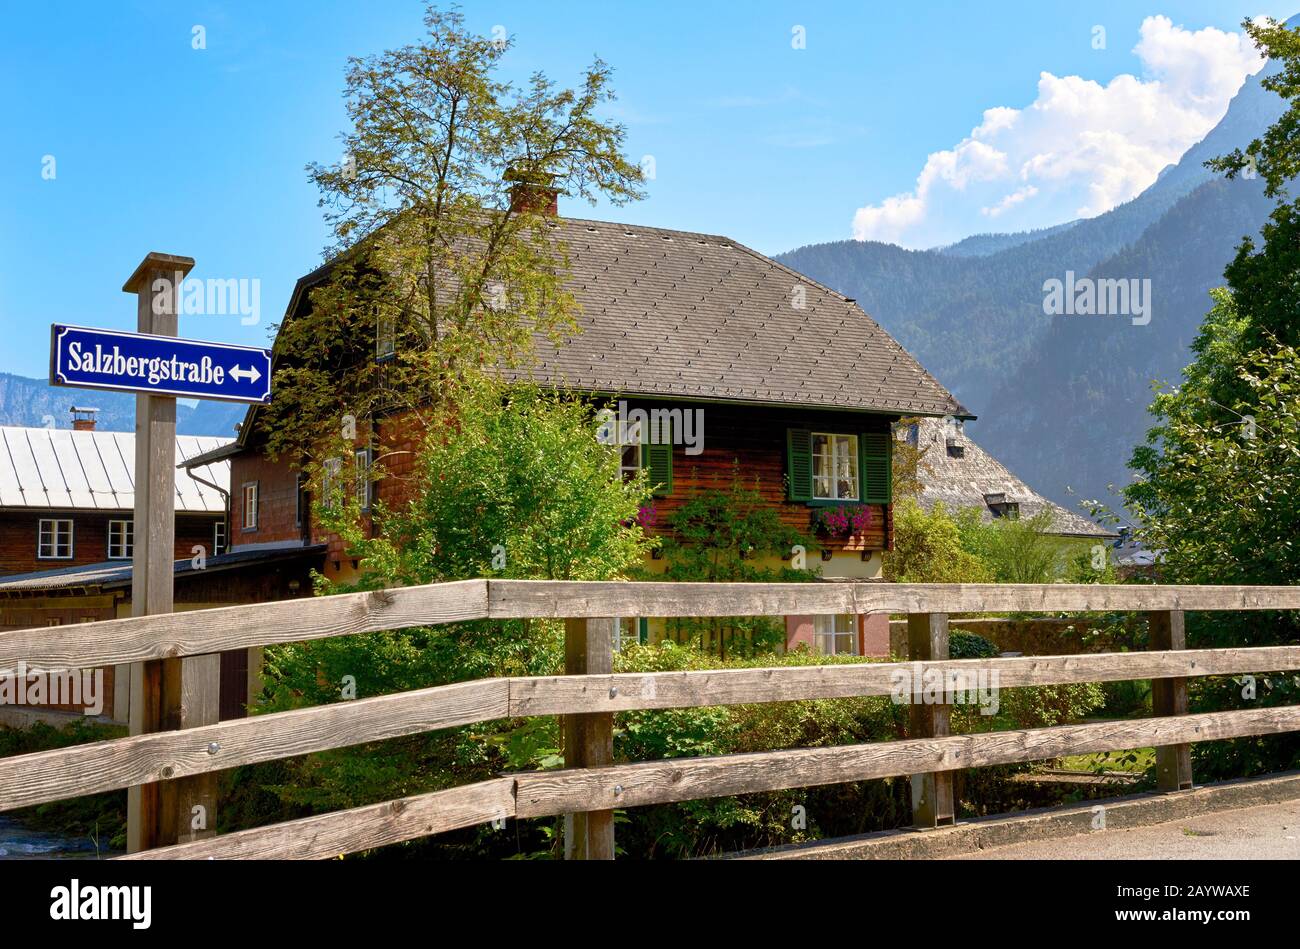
[{"x": 1062, "y": 399}]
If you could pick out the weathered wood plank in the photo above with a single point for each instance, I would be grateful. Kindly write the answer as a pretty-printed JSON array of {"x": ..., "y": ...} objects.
[
  {"x": 140, "y": 638},
  {"x": 140, "y": 759},
  {"x": 559, "y": 598},
  {"x": 589, "y": 738},
  {"x": 560, "y": 695},
  {"x": 360, "y": 828},
  {"x": 1169, "y": 697},
  {"x": 544, "y": 793},
  {"x": 932, "y": 792}
]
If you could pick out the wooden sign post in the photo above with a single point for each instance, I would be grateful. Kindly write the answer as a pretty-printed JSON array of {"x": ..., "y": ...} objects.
[{"x": 166, "y": 694}]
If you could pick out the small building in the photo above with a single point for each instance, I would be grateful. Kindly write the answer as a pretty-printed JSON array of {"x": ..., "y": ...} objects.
[
  {"x": 959, "y": 473},
  {"x": 67, "y": 496},
  {"x": 67, "y": 507}
]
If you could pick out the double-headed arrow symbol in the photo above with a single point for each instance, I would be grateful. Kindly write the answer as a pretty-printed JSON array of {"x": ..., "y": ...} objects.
[{"x": 251, "y": 374}]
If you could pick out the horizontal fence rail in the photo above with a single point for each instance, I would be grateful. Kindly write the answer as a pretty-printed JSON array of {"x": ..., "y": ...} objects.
[
  {"x": 594, "y": 697},
  {"x": 199, "y": 632}
]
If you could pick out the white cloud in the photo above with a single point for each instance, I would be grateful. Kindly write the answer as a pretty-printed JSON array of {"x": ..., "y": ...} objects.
[{"x": 1079, "y": 149}]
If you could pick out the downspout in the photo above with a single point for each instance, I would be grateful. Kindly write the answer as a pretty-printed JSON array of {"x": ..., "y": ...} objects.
[{"x": 221, "y": 491}]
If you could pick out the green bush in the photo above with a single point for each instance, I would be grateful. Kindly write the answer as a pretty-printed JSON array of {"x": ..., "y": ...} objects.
[{"x": 966, "y": 645}]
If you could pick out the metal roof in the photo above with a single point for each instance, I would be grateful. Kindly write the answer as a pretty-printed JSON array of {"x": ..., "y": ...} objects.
[
  {"x": 62, "y": 469},
  {"x": 117, "y": 573}
]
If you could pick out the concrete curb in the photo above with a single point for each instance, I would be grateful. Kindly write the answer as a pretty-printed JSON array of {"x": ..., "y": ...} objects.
[{"x": 1138, "y": 810}]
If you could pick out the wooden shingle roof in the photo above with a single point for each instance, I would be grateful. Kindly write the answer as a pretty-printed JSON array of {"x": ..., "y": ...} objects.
[
  {"x": 974, "y": 478},
  {"x": 697, "y": 316}
]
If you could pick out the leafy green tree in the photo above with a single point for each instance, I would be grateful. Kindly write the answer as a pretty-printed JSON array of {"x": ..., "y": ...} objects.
[
  {"x": 1016, "y": 550},
  {"x": 519, "y": 487},
  {"x": 1217, "y": 490},
  {"x": 1263, "y": 278},
  {"x": 724, "y": 535},
  {"x": 435, "y": 269},
  {"x": 928, "y": 548}
]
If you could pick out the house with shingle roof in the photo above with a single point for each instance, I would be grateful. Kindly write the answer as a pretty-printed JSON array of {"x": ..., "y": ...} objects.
[
  {"x": 958, "y": 473},
  {"x": 793, "y": 383}
]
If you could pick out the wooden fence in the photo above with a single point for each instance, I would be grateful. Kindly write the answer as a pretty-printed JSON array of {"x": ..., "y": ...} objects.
[{"x": 592, "y": 786}]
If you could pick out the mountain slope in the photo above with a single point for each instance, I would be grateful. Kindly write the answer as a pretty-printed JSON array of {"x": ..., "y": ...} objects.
[
  {"x": 1062, "y": 400},
  {"x": 1070, "y": 415},
  {"x": 34, "y": 402}
]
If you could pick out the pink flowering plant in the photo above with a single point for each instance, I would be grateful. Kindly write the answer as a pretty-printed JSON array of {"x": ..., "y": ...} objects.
[{"x": 846, "y": 520}]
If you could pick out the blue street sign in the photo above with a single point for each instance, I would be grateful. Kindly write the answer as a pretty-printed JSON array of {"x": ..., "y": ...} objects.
[{"x": 160, "y": 365}]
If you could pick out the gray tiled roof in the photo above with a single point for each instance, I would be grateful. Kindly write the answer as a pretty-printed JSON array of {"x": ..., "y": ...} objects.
[
  {"x": 969, "y": 479},
  {"x": 678, "y": 314}
]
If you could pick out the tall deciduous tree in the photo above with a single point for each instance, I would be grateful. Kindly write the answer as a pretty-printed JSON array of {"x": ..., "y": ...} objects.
[
  {"x": 436, "y": 273},
  {"x": 1218, "y": 489}
]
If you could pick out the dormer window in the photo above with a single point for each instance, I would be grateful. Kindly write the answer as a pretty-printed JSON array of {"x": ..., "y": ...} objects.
[{"x": 1001, "y": 507}]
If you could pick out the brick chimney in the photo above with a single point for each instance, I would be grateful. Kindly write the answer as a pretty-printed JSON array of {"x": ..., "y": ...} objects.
[
  {"x": 533, "y": 191},
  {"x": 83, "y": 418}
]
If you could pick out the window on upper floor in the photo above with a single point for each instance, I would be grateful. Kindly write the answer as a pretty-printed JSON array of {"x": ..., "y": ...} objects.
[
  {"x": 630, "y": 452},
  {"x": 249, "y": 522},
  {"x": 121, "y": 540},
  {"x": 219, "y": 538},
  {"x": 385, "y": 338},
  {"x": 836, "y": 635},
  {"x": 361, "y": 470},
  {"x": 54, "y": 539},
  {"x": 835, "y": 467},
  {"x": 827, "y": 468}
]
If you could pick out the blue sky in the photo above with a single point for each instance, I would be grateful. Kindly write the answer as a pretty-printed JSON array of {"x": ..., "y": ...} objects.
[{"x": 158, "y": 146}]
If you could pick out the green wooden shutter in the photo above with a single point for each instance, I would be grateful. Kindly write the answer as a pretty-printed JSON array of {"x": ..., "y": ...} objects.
[
  {"x": 798, "y": 469},
  {"x": 643, "y": 630},
  {"x": 876, "y": 467},
  {"x": 658, "y": 459}
]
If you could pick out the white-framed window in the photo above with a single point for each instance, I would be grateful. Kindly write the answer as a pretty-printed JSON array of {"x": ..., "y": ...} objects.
[
  {"x": 361, "y": 466},
  {"x": 331, "y": 487},
  {"x": 385, "y": 338},
  {"x": 836, "y": 635},
  {"x": 219, "y": 538},
  {"x": 121, "y": 540},
  {"x": 630, "y": 459},
  {"x": 250, "y": 506},
  {"x": 627, "y": 632},
  {"x": 835, "y": 467},
  {"x": 54, "y": 539}
]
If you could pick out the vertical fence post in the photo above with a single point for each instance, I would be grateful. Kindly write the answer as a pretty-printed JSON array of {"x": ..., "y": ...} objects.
[
  {"x": 932, "y": 796},
  {"x": 1169, "y": 697},
  {"x": 165, "y": 693},
  {"x": 589, "y": 739}
]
